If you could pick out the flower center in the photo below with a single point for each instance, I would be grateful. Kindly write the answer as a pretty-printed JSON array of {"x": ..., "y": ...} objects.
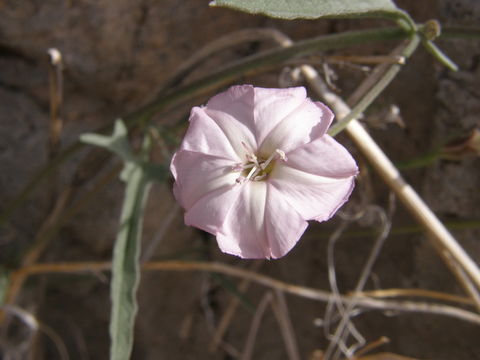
[{"x": 255, "y": 168}]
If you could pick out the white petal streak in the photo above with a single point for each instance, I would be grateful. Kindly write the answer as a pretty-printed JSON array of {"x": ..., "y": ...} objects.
[
  {"x": 325, "y": 157},
  {"x": 210, "y": 211},
  {"x": 284, "y": 225},
  {"x": 302, "y": 125},
  {"x": 235, "y": 131},
  {"x": 313, "y": 197},
  {"x": 243, "y": 232},
  {"x": 205, "y": 136},
  {"x": 197, "y": 174},
  {"x": 232, "y": 110},
  {"x": 272, "y": 106}
]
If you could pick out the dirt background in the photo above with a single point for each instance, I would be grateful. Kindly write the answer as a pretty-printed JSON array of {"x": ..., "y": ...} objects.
[{"x": 117, "y": 54}]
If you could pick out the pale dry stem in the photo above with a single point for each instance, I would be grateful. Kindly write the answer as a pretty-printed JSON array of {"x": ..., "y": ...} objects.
[
  {"x": 280, "y": 310},
  {"x": 221, "y": 44},
  {"x": 341, "y": 335},
  {"x": 302, "y": 291},
  {"x": 252, "y": 334},
  {"x": 227, "y": 317}
]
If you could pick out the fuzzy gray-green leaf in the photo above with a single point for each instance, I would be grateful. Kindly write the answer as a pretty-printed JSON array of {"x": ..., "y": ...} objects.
[
  {"x": 310, "y": 9},
  {"x": 125, "y": 265},
  {"x": 117, "y": 142}
]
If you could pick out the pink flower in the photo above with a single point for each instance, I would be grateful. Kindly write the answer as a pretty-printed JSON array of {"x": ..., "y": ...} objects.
[{"x": 256, "y": 164}]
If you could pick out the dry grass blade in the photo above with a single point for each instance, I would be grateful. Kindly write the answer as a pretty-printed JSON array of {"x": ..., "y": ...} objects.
[
  {"x": 341, "y": 335},
  {"x": 384, "y": 356},
  {"x": 55, "y": 74},
  {"x": 372, "y": 345},
  {"x": 280, "y": 309},
  {"x": 230, "y": 312},
  {"x": 32, "y": 323},
  {"x": 386, "y": 293},
  {"x": 223, "y": 43},
  {"x": 302, "y": 291},
  {"x": 252, "y": 334},
  {"x": 336, "y": 302}
]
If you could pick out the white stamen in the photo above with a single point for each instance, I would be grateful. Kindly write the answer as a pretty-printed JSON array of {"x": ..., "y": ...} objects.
[
  {"x": 277, "y": 152},
  {"x": 282, "y": 155},
  {"x": 251, "y": 173},
  {"x": 257, "y": 169}
]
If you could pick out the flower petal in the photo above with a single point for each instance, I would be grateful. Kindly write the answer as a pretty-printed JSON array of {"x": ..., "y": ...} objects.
[
  {"x": 313, "y": 197},
  {"x": 197, "y": 174},
  {"x": 232, "y": 111},
  {"x": 283, "y": 234},
  {"x": 271, "y": 106},
  {"x": 323, "y": 156},
  {"x": 308, "y": 121},
  {"x": 243, "y": 232},
  {"x": 210, "y": 211},
  {"x": 206, "y": 137}
]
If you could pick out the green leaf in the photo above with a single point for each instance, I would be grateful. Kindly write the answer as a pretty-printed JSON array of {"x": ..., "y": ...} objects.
[
  {"x": 314, "y": 9},
  {"x": 138, "y": 174},
  {"x": 117, "y": 142},
  {"x": 125, "y": 265}
]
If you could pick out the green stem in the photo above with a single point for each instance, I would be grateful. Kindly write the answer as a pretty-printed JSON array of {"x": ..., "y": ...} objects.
[
  {"x": 439, "y": 55},
  {"x": 378, "y": 88}
]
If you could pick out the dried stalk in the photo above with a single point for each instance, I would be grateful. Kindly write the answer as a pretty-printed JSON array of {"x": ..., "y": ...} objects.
[
  {"x": 302, "y": 291},
  {"x": 252, "y": 334},
  {"x": 214, "y": 47},
  {"x": 340, "y": 335},
  {"x": 280, "y": 309},
  {"x": 386, "y": 293},
  {"x": 231, "y": 308},
  {"x": 55, "y": 74}
]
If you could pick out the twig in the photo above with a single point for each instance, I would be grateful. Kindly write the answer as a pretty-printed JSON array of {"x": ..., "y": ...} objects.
[
  {"x": 252, "y": 334},
  {"x": 149, "y": 250},
  {"x": 372, "y": 345},
  {"x": 55, "y": 74},
  {"x": 379, "y": 241},
  {"x": 59, "y": 216},
  {"x": 34, "y": 326},
  {"x": 369, "y": 96},
  {"x": 305, "y": 292},
  {"x": 386, "y": 293},
  {"x": 336, "y": 301},
  {"x": 335, "y": 290},
  {"x": 280, "y": 309},
  {"x": 373, "y": 59},
  {"x": 225, "y": 42},
  {"x": 57, "y": 340},
  {"x": 465, "y": 281},
  {"x": 231, "y": 308}
]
